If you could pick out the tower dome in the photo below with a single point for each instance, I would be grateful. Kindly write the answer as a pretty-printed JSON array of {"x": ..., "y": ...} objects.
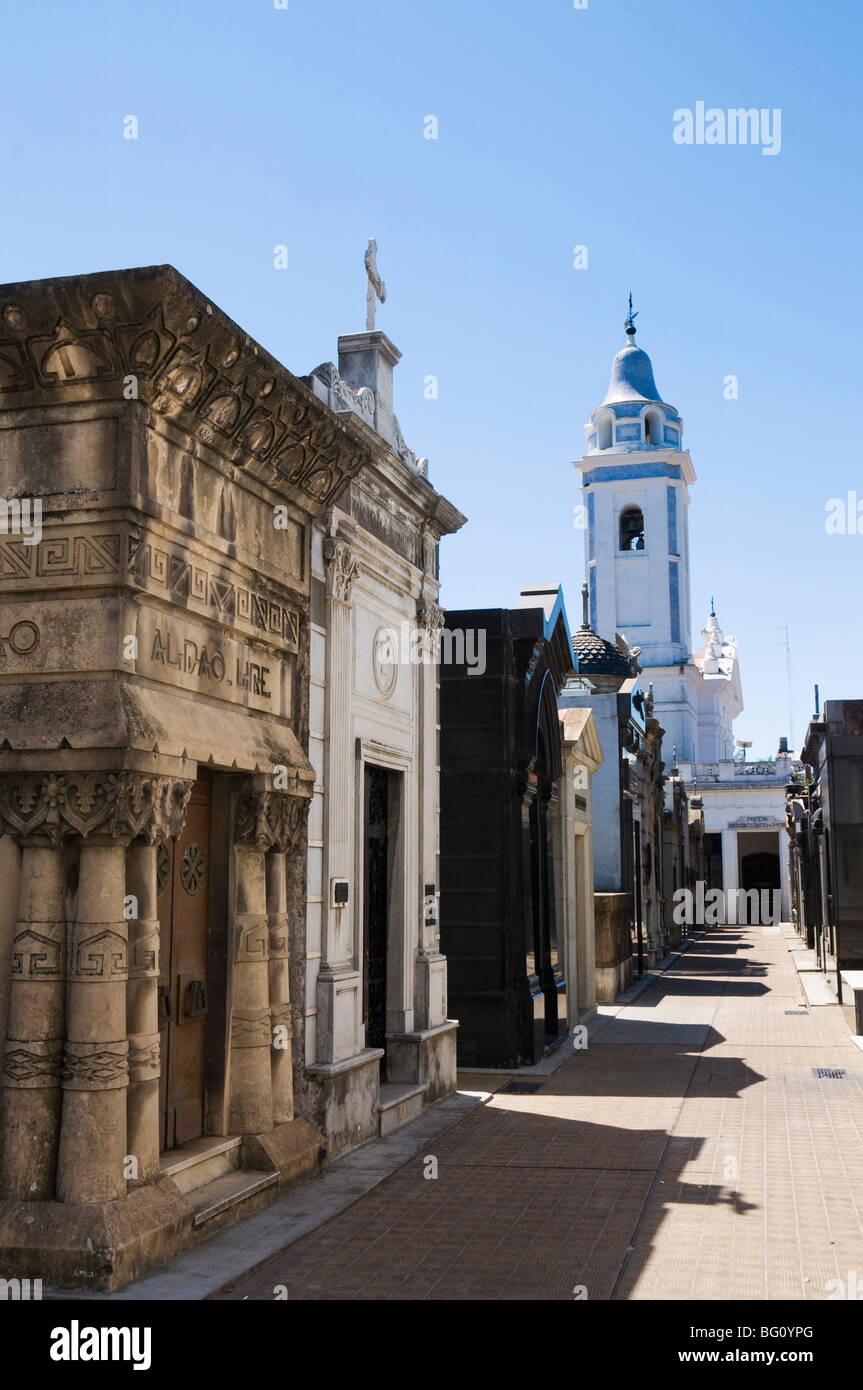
[
  {"x": 633, "y": 418},
  {"x": 631, "y": 376}
]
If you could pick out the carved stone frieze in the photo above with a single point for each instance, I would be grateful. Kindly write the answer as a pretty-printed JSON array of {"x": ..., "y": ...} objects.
[
  {"x": 89, "y": 336},
  {"x": 270, "y": 820},
  {"x": 123, "y": 805},
  {"x": 170, "y": 571}
]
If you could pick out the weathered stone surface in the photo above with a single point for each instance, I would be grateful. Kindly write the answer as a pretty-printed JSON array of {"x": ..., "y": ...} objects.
[
  {"x": 295, "y": 1149},
  {"x": 95, "y": 1246}
]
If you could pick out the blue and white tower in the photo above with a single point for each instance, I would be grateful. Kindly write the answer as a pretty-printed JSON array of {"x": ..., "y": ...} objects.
[{"x": 636, "y": 477}]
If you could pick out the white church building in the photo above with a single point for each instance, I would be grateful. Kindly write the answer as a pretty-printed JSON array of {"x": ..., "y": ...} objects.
[{"x": 636, "y": 478}]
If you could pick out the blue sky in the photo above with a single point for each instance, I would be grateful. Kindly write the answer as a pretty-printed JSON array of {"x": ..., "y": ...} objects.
[{"x": 304, "y": 127}]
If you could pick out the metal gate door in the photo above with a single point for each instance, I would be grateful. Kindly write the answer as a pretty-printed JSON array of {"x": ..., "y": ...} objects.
[{"x": 375, "y": 907}]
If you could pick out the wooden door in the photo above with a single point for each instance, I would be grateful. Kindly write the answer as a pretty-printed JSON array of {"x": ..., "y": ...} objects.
[{"x": 183, "y": 874}]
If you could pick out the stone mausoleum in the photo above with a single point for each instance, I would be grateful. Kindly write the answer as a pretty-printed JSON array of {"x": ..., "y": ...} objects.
[
  {"x": 155, "y": 783},
  {"x": 379, "y": 1045}
]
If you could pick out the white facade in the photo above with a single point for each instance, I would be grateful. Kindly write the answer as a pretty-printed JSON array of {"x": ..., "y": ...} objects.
[
  {"x": 373, "y": 704},
  {"x": 745, "y": 804}
]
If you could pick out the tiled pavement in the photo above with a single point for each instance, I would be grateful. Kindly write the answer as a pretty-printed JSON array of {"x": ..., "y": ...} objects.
[{"x": 689, "y": 1152}]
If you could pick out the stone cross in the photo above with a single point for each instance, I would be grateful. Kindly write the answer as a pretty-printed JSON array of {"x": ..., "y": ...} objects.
[{"x": 376, "y": 285}]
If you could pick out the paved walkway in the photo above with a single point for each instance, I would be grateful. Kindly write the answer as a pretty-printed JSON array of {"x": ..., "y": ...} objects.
[{"x": 690, "y": 1152}]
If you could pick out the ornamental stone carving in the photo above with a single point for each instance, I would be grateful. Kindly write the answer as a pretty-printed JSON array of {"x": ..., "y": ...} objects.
[
  {"x": 29, "y": 1065},
  {"x": 143, "y": 950},
  {"x": 250, "y": 1028},
  {"x": 431, "y": 619},
  {"x": 189, "y": 367},
  {"x": 342, "y": 568},
  {"x": 281, "y": 1016},
  {"x": 144, "y": 1057},
  {"x": 385, "y": 660},
  {"x": 253, "y": 938},
  {"x": 39, "y": 955},
  {"x": 270, "y": 820},
  {"x": 123, "y": 805},
  {"x": 96, "y": 953},
  {"x": 98, "y": 1066},
  {"x": 279, "y": 929}
]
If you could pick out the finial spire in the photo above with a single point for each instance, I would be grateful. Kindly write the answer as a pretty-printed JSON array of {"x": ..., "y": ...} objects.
[
  {"x": 630, "y": 319},
  {"x": 712, "y": 609},
  {"x": 585, "y": 599}
]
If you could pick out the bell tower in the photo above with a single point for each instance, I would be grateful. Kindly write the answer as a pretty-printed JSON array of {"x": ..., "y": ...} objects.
[{"x": 635, "y": 476}]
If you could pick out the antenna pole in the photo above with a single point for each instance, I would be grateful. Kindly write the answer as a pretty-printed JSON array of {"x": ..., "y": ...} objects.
[{"x": 787, "y": 645}]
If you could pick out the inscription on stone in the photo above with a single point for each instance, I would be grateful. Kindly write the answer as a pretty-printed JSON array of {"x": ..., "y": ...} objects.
[
  {"x": 184, "y": 654},
  {"x": 189, "y": 656}
]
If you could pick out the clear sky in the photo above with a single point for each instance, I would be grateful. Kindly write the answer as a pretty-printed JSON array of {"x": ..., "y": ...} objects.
[{"x": 304, "y": 127}]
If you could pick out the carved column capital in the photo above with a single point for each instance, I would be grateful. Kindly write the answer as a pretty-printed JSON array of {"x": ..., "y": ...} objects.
[
  {"x": 342, "y": 568},
  {"x": 121, "y": 805},
  {"x": 268, "y": 820},
  {"x": 430, "y": 616}
]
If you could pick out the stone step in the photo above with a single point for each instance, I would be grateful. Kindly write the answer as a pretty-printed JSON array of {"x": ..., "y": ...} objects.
[
  {"x": 228, "y": 1191},
  {"x": 201, "y": 1161},
  {"x": 398, "y": 1105}
]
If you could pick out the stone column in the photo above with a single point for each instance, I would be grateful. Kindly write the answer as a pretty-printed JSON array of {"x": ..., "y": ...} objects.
[
  {"x": 251, "y": 1085},
  {"x": 31, "y": 1097},
  {"x": 430, "y": 1000},
  {"x": 101, "y": 812},
  {"x": 785, "y": 871},
  {"x": 142, "y": 1013},
  {"x": 338, "y": 936},
  {"x": 90, "y": 1163},
  {"x": 279, "y": 989},
  {"x": 338, "y": 994},
  {"x": 730, "y": 872}
]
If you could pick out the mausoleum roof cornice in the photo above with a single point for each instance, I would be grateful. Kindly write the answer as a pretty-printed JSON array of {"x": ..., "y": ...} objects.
[{"x": 150, "y": 331}]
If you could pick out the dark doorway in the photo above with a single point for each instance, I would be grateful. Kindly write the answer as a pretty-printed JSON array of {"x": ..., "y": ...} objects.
[
  {"x": 375, "y": 906},
  {"x": 759, "y": 871},
  {"x": 183, "y": 869},
  {"x": 713, "y": 860},
  {"x": 545, "y": 975}
]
